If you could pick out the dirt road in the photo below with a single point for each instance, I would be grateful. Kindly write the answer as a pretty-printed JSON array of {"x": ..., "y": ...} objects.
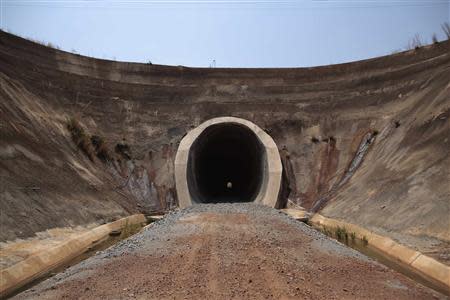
[{"x": 229, "y": 251}]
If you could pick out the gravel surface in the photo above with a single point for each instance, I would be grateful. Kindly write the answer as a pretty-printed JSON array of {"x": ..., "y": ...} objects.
[
  {"x": 224, "y": 251},
  {"x": 160, "y": 230}
]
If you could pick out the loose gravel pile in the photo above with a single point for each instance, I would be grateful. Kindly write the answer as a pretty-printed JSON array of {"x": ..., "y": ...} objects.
[{"x": 162, "y": 229}]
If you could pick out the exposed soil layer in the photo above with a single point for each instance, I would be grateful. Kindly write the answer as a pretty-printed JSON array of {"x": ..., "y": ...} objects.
[{"x": 229, "y": 251}]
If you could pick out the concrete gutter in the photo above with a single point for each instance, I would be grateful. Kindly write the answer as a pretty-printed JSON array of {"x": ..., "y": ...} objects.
[
  {"x": 298, "y": 214},
  {"x": 18, "y": 275},
  {"x": 422, "y": 265}
]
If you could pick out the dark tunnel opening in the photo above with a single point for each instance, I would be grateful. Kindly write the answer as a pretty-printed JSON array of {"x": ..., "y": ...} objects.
[{"x": 226, "y": 164}]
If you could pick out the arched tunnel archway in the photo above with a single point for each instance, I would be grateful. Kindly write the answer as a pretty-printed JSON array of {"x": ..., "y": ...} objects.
[
  {"x": 227, "y": 160},
  {"x": 225, "y": 164}
]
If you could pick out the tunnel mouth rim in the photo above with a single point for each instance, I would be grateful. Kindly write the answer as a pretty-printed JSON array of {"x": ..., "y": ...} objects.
[
  {"x": 214, "y": 149},
  {"x": 270, "y": 183}
]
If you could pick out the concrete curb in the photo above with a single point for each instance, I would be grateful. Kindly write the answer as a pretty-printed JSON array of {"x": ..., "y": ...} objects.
[
  {"x": 422, "y": 265},
  {"x": 33, "y": 267},
  {"x": 298, "y": 214}
]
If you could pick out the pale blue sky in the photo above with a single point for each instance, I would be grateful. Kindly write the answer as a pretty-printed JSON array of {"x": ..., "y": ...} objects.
[{"x": 236, "y": 33}]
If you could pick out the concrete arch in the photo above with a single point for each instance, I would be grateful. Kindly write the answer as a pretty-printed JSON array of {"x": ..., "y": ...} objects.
[{"x": 245, "y": 137}]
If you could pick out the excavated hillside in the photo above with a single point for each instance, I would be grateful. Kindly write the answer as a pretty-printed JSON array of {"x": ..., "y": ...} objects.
[{"x": 366, "y": 142}]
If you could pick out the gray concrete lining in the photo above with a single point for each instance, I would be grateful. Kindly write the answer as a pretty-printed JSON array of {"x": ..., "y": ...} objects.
[{"x": 270, "y": 179}]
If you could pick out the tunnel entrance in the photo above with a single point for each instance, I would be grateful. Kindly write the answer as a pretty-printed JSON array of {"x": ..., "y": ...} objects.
[
  {"x": 227, "y": 159},
  {"x": 225, "y": 164}
]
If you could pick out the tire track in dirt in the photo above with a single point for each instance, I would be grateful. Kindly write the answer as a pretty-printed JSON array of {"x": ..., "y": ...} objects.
[
  {"x": 191, "y": 269},
  {"x": 213, "y": 264},
  {"x": 270, "y": 277}
]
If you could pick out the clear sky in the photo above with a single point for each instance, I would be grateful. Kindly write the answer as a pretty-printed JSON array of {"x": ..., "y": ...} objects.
[{"x": 234, "y": 33}]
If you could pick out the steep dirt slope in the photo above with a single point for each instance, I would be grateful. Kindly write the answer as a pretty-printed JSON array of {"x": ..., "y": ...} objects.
[
  {"x": 46, "y": 181},
  {"x": 402, "y": 187},
  {"x": 391, "y": 113}
]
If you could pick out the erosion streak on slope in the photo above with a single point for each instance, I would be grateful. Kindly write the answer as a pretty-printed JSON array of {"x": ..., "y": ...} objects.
[{"x": 367, "y": 140}]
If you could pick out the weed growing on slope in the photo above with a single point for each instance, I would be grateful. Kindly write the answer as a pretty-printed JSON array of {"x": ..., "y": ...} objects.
[
  {"x": 123, "y": 149},
  {"x": 341, "y": 234},
  {"x": 365, "y": 240},
  {"x": 353, "y": 236},
  {"x": 80, "y": 137},
  {"x": 101, "y": 148},
  {"x": 315, "y": 140}
]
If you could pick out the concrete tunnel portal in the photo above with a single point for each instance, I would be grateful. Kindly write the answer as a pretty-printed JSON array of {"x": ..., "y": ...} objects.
[
  {"x": 225, "y": 164},
  {"x": 227, "y": 159}
]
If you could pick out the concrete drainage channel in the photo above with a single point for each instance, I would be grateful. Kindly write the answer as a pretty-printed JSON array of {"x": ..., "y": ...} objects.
[
  {"x": 45, "y": 264},
  {"x": 411, "y": 263}
]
